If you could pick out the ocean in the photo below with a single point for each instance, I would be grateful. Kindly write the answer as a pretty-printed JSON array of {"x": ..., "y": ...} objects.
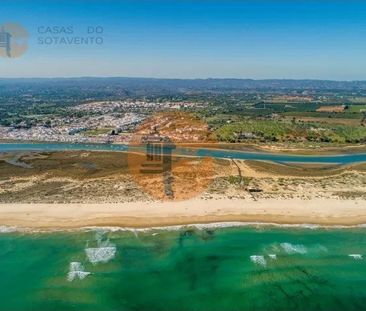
[{"x": 188, "y": 268}]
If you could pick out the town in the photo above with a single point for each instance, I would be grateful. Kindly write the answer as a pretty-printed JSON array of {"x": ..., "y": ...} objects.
[
  {"x": 92, "y": 122},
  {"x": 109, "y": 110}
]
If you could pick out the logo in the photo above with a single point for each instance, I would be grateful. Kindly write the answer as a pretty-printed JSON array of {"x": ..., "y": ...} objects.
[
  {"x": 13, "y": 40},
  {"x": 163, "y": 156}
]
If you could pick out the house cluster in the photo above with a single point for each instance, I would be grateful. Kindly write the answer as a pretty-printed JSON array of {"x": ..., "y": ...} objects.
[
  {"x": 71, "y": 129},
  {"x": 113, "y": 106},
  {"x": 98, "y": 121}
]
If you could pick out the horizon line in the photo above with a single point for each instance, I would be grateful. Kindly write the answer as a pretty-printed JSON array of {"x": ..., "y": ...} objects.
[{"x": 171, "y": 78}]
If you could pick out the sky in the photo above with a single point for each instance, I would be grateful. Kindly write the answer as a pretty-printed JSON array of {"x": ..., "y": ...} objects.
[{"x": 258, "y": 39}]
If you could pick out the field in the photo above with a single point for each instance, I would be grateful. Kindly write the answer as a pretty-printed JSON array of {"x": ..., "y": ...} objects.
[
  {"x": 357, "y": 108},
  {"x": 263, "y": 130},
  {"x": 327, "y": 120}
]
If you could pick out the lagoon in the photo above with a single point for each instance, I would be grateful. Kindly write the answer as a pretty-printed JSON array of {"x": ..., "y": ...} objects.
[{"x": 200, "y": 152}]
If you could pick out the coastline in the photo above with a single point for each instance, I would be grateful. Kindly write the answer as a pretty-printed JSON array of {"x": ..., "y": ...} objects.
[{"x": 55, "y": 217}]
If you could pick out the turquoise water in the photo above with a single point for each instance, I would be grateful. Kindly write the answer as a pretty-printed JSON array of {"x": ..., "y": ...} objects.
[
  {"x": 186, "y": 269},
  {"x": 338, "y": 159}
]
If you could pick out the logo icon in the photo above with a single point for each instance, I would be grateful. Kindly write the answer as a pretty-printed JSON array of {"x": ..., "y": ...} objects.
[
  {"x": 13, "y": 40},
  {"x": 158, "y": 150},
  {"x": 163, "y": 157}
]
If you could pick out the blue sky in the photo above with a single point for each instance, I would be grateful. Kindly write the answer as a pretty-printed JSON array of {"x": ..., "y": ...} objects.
[{"x": 257, "y": 39}]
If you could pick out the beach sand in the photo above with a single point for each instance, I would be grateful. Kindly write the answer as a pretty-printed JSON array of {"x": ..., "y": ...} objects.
[{"x": 156, "y": 214}]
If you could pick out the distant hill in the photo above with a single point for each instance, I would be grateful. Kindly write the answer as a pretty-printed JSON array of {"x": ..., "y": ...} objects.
[
  {"x": 72, "y": 90},
  {"x": 184, "y": 85}
]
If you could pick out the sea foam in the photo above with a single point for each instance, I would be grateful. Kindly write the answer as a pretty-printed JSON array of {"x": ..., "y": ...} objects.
[
  {"x": 104, "y": 252},
  {"x": 356, "y": 256},
  {"x": 215, "y": 225},
  {"x": 293, "y": 248},
  {"x": 7, "y": 229},
  {"x": 76, "y": 271},
  {"x": 258, "y": 260},
  {"x": 100, "y": 254}
]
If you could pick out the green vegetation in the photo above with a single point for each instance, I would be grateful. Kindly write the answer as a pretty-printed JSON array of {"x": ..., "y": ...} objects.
[
  {"x": 331, "y": 115},
  {"x": 235, "y": 110},
  {"x": 268, "y": 130},
  {"x": 357, "y": 108}
]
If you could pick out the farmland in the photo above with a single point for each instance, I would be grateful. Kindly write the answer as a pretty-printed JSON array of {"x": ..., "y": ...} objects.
[{"x": 282, "y": 131}]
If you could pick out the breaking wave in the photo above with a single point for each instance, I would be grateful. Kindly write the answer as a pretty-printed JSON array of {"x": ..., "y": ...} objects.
[
  {"x": 76, "y": 271},
  {"x": 293, "y": 248},
  {"x": 217, "y": 225},
  {"x": 7, "y": 229},
  {"x": 104, "y": 252},
  {"x": 100, "y": 254},
  {"x": 258, "y": 260},
  {"x": 356, "y": 256}
]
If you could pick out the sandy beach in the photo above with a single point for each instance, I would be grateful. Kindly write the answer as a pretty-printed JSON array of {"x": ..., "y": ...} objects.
[{"x": 154, "y": 214}]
